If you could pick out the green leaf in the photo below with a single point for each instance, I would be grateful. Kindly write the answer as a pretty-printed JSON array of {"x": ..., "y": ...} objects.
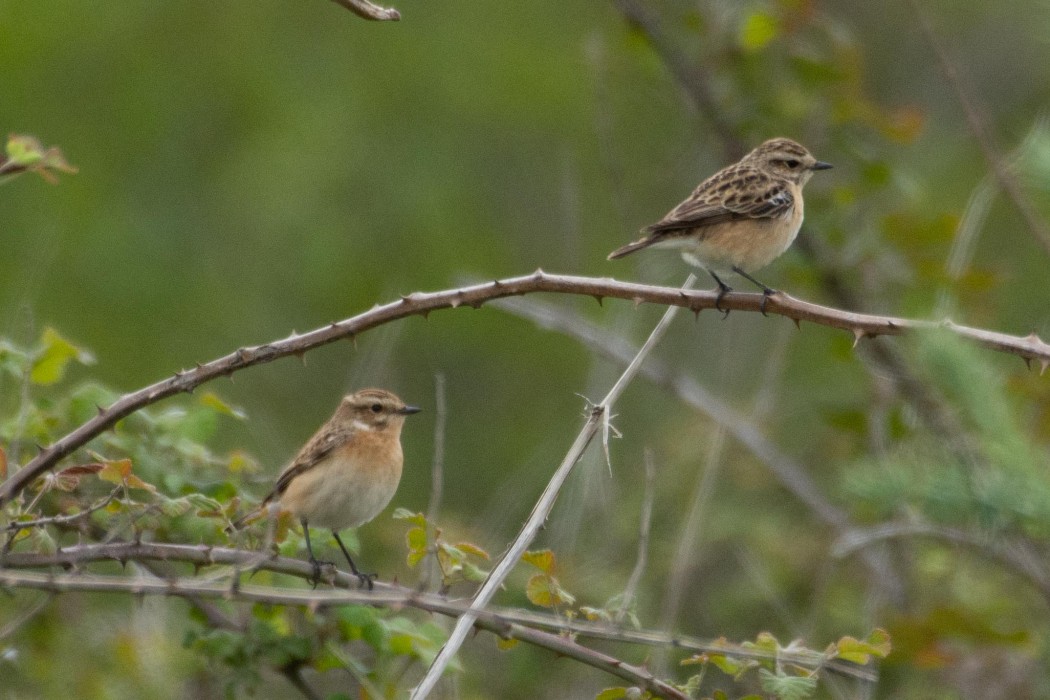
[
  {"x": 415, "y": 556},
  {"x": 414, "y": 518},
  {"x": 27, "y": 152},
  {"x": 416, "y": 538},
  {"x": 611, "y": 694},
  {"x": 728, "y": 665},
  {"x": 473, "y": 549},
  {"x": 212, "y": 401},
  {"x": 787, "y": 687},
  {"x": 55, "y": 353},
  {"x": 758, "y": 30},
  {"x": 506, "y": 644},
  {"x": 542, "y": 559},
  {"x": 545, "y": 591},
  {"x": 41, "y": 541},
  {"x": 860, "y": 652},
  {"x": 115, "y": 472},
  {"x": 474, "y": 573},
  {"x": 174, "y": 507},
  {"x": 539, "y": 592}
]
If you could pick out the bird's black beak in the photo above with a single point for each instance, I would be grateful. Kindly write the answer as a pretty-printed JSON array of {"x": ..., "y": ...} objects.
[
  {"x": 409, "y": 410},
  {"x": 821, "y": 165}
]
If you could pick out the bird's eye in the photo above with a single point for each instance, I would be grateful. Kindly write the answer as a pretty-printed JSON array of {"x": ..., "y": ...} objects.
[
  {"x": 376, "y": 408},
  {"x": 792, "y": 163}
]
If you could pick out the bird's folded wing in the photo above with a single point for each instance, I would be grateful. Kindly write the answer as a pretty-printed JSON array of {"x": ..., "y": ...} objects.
[
  {"x": 761, "y": 199},
  {"x": 320, "y": 446}
]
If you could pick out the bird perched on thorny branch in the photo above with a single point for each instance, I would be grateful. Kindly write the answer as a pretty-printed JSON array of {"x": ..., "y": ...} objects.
[
  {"x": 739, "y": 219},
  {"x": 346, "y": 473}
]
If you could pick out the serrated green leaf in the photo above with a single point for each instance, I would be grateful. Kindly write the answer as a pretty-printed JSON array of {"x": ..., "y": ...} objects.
[
  {"x": 538, "y": 591},
  {"x": 787, "y": 687},
  {"x": 174, "y": 507},
  {"x": 54, "y": 355},
  {"x": 542, "y": 559},
  {"x": 860, "y": 652},
  {"x": 764, "y": 642}
]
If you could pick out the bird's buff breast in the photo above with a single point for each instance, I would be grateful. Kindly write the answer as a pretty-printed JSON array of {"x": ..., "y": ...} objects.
[
  {"x": 349, "y": 488},
  {"x": 748, "y": 244}
]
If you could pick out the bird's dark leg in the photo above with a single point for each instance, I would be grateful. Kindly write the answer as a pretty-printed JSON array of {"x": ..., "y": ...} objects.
[
  {"x": 366, "y": 579},
  {"x": 723, "y": 289},
  {"x": 766, "y": 291},
  {"x": 313, "y": 560}
]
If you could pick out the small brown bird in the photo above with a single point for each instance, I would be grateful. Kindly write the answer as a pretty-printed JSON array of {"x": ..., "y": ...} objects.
[
  {"x": 347, "y": 472},
  {"x": 741, "y": 218}
]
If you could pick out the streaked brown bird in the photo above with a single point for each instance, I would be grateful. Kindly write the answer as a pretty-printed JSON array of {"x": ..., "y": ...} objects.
[
  {"x": 741, "y": 218},
  {"x": 347, "y": 473}
]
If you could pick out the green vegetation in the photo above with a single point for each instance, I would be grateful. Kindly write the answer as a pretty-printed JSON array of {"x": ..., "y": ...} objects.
[{"x": 182, "y": 181}]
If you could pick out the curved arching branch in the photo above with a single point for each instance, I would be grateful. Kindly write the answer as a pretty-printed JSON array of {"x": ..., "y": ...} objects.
[{"x": 1029, "y": 347}]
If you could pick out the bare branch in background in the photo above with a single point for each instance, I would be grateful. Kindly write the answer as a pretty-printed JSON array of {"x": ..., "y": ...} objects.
[
  {"x": 1017, "y": 554},
  {"x": 978, "y": 124},
  {"x": 368, "y": 10},
  {"x": 644, "y": 528},
  {"x": 688, "y": 75}
]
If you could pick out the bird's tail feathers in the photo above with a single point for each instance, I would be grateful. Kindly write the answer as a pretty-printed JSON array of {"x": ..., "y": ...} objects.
[
  {"x": 248, "y": 518},
  {"x": 630, "y": 248}
]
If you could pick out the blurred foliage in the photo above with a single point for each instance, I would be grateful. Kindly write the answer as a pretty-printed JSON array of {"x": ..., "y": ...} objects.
[{"x": 246, "y": 170}]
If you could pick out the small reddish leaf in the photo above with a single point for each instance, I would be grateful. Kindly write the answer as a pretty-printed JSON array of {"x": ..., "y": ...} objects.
[
  {"x": 3, "y": 464},
  {"x": 83, "y": 469}
]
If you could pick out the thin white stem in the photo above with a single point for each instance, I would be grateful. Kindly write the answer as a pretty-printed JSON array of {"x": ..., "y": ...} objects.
[{"x": 598, "y": 415}]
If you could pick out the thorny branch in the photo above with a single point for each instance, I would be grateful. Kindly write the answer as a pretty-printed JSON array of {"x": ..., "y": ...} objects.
[
  {"x": 1029, "y": 348},
  {"x": 502, "y": 621}
]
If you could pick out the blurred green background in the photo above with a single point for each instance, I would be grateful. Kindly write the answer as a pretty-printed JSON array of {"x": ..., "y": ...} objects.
[{"x": 247, "y": 169}]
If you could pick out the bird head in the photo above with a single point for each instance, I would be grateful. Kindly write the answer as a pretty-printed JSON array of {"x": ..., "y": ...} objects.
[{"x": 787, "y": 159}]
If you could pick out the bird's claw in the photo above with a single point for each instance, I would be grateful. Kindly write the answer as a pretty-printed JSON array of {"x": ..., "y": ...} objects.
[
  {"x": 766, "y": 293},
  {"x": 366, "y": 579},
  {"x": 317, "y": 566},
  {"x": 722, "y": 291}
]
